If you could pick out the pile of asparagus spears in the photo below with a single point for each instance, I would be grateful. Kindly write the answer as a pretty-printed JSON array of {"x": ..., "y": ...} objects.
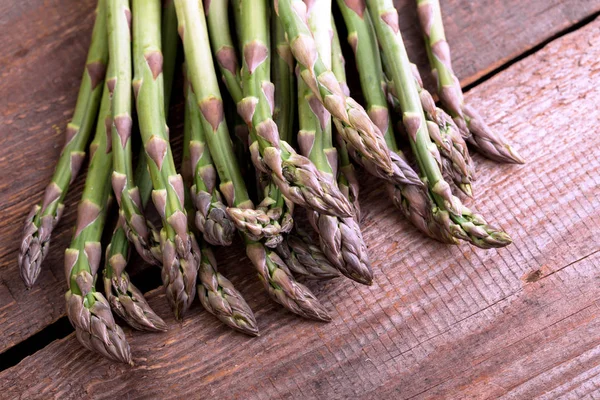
[{"x": 297, "y": 136}]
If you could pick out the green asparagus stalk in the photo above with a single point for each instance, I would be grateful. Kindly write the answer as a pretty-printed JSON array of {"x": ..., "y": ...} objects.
[
  {"x": 362, "y": 136},
  {"x": 472, "y": 126},
  {"x": 87, "y": 309},
  {"x": 258, "y": 85},
  {"x": 454, "y": 160},
  {"x": 138, "y": 230},
  {"x": 216, "y": 293},
  {"x": 211, "y": 215},
  {"x": 125, "y": 299},
  {"x": 296, "y": 176},
  {"x": 347, "y": 180},
  {"x": 340, "y": 238},
  {"x": 273, "y": 272},
  {"x": 468, "y": 226},
  {"x": 297, "y": 249},
  {"x": 223, "y": 48},
  {"x": 272, "y": 216},
  {"x": 44, "y": 216},
  {"x": 362, "y": 39},
  {"x": 181, "y": 253},
  {"x": 282, "y": 67},
  {"x": 414, "y": 201}
]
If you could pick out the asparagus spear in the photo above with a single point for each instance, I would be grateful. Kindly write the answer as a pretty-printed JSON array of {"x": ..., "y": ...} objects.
[
  {"x": 454, "y": 160},
  {"x": 87, "y": 309},
  {"x": 297, "y": 249},
  {"x": 125, "y": 299},
  {"x": 211, "y": 215},
  {"x": 138, "y": 230},
  {"x": 220, "y": 298},
  {"x": 296, "y": 176},
  {"x": 181, "y": 253},
  {"x": 272, "y": 216},
  {"x": 274, "y": 212},
  {"x": 414, "y": 201},
  {"x": 340, "y": 238},
  {"x": 472, "y": 126},
  {"x": 304, "y": 258},
  {"x": 273, "y": 272},
  {"x": 44, "y": 216},
  {"x": 282, "y": 67},
  {"x": 223, "y": 47},
  {"x": 347, "y": 180},
  {"x": 216, "y": 293},
  {"x": 364, "y": 139},
  {"x": 466, "y": 225}
]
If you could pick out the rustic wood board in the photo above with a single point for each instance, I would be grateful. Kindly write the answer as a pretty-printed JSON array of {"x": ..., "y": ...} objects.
[
  {"x": 439, "y": 321},
  {"x": 44, "y": 47}
]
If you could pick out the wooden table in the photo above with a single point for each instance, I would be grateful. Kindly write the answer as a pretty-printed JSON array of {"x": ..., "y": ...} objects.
[{"x": 438, "y": 322}]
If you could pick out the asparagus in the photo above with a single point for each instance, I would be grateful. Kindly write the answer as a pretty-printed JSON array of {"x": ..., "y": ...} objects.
[
  {"x": 181, "y": 253},
  {"x": 125, "y": 299},
  {"x": 304, "y": 258},
  {"x": 340, "y": 238},
  {"x": 138, "y": 230},
  {"x": 297, "y": 249},
  {"x": 465, "y": 224},
  {"x": 454, "y": 160},
  {"x": 87, "y": 309},
  {"x": 211, "y": 215},
  {"x": 472, "y": 126},
  {"x": 282, "y": 67},
  {"x": 272, "y": 271},
  {"x": 44, "y": 216},
  {"x": 297, "y": 177},
  {"x": 281, "y": 285},
  {"x": 414, "y": 201},
  {"x": 347, "y": 180},
  {"x": 216, "y": 293},
  {"x": 221, "y": 299},
  {"x": 364, "y": 139},
  {"x": 272, "y": 216},
  {"x": 223, "y": 47}
]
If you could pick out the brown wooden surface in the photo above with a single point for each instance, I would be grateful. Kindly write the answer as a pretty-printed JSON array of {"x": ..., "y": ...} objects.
[
  {"x": 44, "y": 45},
  {"x": 439, "y": 321}
]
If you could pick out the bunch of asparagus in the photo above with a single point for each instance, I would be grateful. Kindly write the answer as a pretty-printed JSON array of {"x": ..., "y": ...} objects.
[{"x": 295, "y": 134}]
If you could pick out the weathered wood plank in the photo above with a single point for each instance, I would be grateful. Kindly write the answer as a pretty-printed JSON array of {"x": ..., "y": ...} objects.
[
  {"x": 44, "y": 45},
  {"x": 485, "y": 34},
  {"x": 438, "y": 322}
]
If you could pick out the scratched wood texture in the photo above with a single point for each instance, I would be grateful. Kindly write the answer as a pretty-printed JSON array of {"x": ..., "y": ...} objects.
[
  {"x": 439, "y": 321},
  {"x": 44, "y": 46}
]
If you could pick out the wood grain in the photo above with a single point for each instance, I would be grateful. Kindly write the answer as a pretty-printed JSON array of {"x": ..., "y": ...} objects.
[
  {"x": 44, "y": 46},
  {"x": 439, "y": 321}
]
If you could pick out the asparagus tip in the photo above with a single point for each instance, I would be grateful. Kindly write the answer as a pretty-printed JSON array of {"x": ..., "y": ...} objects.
[{"x": 467, "y": 189}]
